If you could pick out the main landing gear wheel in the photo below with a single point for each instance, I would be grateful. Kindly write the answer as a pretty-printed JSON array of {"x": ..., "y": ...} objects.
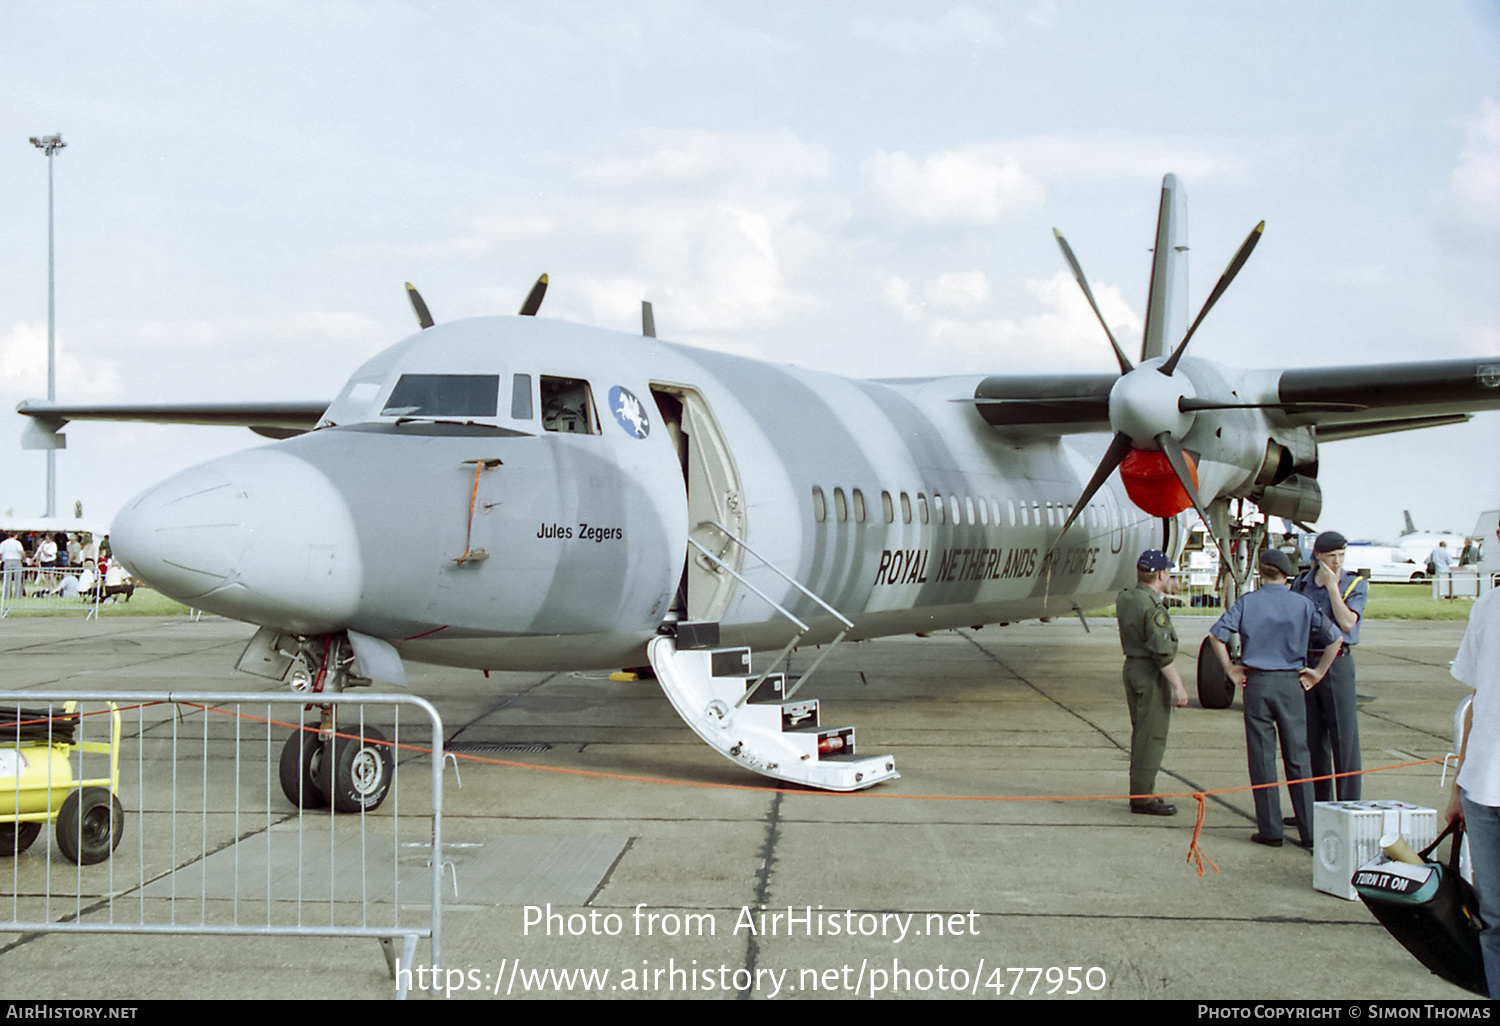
[
  {"x": 362, "y": 768},
  {"x": 301, "y": 770},
  {"x": 17, "y": 837},
  {"x": 1215, "y": 689},
  {"x": 89, "y": 825}
]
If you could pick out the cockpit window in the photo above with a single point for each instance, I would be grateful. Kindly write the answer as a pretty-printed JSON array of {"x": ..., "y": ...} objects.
[
  {"x": 568, "y": 406},
  {"x": 444, "y": 395}
]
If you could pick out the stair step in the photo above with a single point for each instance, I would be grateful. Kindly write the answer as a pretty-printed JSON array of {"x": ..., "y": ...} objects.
[{"x": 775, "y": 738}]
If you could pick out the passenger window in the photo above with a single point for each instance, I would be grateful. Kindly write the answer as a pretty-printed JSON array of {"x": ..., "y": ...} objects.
[
  {"x": 520, "y": 397},
  {"x": 859, "y": 506},
  {"x": 922, "y": 507},
  {"x": 937, "y": 507},
  {"x": 568, "y": 406},
  {"x": 969, "y": 509},
  {"x": 905, "y": 508},
  {"x": 840, "y": 507},
  {"x": 820, "y": 505}
]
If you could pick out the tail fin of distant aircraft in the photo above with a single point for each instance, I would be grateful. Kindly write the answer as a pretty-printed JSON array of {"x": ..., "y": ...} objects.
[{"x": 1411, "y": 528}]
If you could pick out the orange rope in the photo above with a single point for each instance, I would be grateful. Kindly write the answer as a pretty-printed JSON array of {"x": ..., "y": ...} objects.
[{"x": 1195, "y": 851}]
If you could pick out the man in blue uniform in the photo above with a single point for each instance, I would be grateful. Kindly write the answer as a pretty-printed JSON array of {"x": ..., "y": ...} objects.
[
  {"x": 1332, "y": 729},
  {"x": 1277, "y": 628}
]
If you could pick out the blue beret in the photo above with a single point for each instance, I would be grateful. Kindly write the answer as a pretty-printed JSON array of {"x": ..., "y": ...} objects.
[
  {"x": 1276, "y": 558},
  {"x": 1329, "y": 541}
]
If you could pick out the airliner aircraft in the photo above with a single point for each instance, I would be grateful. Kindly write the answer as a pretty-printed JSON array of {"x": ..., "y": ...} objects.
[{"x": 518, "y": 493}]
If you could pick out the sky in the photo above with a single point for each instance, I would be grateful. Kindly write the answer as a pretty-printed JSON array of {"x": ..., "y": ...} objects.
[{"x": 864, "y": 188}]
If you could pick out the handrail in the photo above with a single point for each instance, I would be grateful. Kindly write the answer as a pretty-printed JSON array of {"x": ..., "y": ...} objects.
[
  {"x": 731, "y": 571},
  {"x": 848, "y": 624},
  {"x": 781, "y": 573}
]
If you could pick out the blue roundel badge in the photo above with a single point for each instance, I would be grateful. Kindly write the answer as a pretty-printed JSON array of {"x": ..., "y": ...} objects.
[{"x": 629, "y": 413}]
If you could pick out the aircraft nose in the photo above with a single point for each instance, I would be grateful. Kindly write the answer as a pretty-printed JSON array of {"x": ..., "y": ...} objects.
[{"x": 261, "y": 536}]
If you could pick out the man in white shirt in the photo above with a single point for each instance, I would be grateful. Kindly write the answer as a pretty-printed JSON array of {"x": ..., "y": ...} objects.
[
  {"x": 11, "y": 555},
  {"x": 1476, "y": 787}
]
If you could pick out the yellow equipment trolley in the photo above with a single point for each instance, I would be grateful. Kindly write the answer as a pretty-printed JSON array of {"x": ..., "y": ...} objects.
[{"x": 38, "y": 785}]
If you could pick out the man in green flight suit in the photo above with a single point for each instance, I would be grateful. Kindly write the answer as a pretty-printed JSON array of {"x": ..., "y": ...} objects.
[{"x": 1152, "y": 685}]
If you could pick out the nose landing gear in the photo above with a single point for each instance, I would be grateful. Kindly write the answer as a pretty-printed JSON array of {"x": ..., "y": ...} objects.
[{"x": 347, "y": 766}]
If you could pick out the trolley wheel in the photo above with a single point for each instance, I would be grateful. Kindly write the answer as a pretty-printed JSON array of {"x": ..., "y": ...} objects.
[
  {"x": 1215, "y": 689},
  {"x": 362, "y": 768},
  {"x": 301, "y": 770},
  {"x": 17, "y": 837},
  {"x": 89, "y": 825}
]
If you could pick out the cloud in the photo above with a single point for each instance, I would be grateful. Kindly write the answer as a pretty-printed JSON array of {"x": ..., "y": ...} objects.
[
  {"x": 989, "y": 183},
  {"x": 1474, "y": 189},
  {"x": 1103, "y": 155},
  {"x": 970, "y": 186},
  {"x": 958, "y": 293},
  {"x": 959, "y": 319},
  {"x": 719, "y": 225},
  {"x": 716, "y": 161},
  {"x": 961, "y": 25},
  {"x": 23, "y": 354}
]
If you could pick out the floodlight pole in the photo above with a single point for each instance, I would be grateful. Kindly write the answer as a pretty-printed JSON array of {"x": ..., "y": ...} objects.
[{"x": 50, "y": 144}]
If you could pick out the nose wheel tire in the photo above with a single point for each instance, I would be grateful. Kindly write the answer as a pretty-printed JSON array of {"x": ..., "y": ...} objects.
[
  {"x": 89, "y": 825},
  {"x": 17, "y": 837},
  {"x": 362, "y": 768},
  {"x": 301, "y": 770}
]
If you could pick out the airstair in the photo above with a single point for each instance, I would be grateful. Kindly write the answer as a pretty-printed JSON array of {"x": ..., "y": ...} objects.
[
  {"x": 755, "y": 726},
  {"x": 754, "y": 721}
]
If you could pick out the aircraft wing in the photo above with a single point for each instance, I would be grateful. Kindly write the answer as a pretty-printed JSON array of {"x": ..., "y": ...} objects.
[
  {"x": 273, "y": 419},
  {"x": 1394, "y": 396},
  {"x": 1336, "y": 402}
]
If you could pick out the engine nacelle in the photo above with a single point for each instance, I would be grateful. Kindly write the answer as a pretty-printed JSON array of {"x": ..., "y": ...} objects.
[{"x": 1297, "y": 498}]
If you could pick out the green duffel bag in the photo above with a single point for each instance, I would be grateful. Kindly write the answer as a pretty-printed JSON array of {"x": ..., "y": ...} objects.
[{"x": 1430, "y": 909}]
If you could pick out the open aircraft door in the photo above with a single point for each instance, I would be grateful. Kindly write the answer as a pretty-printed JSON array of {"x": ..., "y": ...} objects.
[{"x": 713, "y": 494}]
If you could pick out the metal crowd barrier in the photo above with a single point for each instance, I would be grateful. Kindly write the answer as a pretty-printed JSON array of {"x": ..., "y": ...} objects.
[
  {"x": 51, "y": 590},
  {"x": 167, "y": 812},
  {"x": 1463, "y": 584}
]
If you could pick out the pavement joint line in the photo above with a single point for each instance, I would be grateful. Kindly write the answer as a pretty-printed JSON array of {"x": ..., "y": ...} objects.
[
  {"x": 762, "y": 895},
  {"x": 503, "y": 703},
  {"x": 604, "y": 880}
]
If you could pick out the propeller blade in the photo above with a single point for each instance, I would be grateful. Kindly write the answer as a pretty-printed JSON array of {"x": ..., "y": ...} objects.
[
  {"x": 1173, "y": 451},
  {"x": 1118, "y": 447},
  {"x": 534, "y": 298},
  {"x": 648, "y": 320},
  {"x": 423, "y": 317},
  {"x": 1083, "y": 283},
  {"x": 1213, "y": 297}
]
